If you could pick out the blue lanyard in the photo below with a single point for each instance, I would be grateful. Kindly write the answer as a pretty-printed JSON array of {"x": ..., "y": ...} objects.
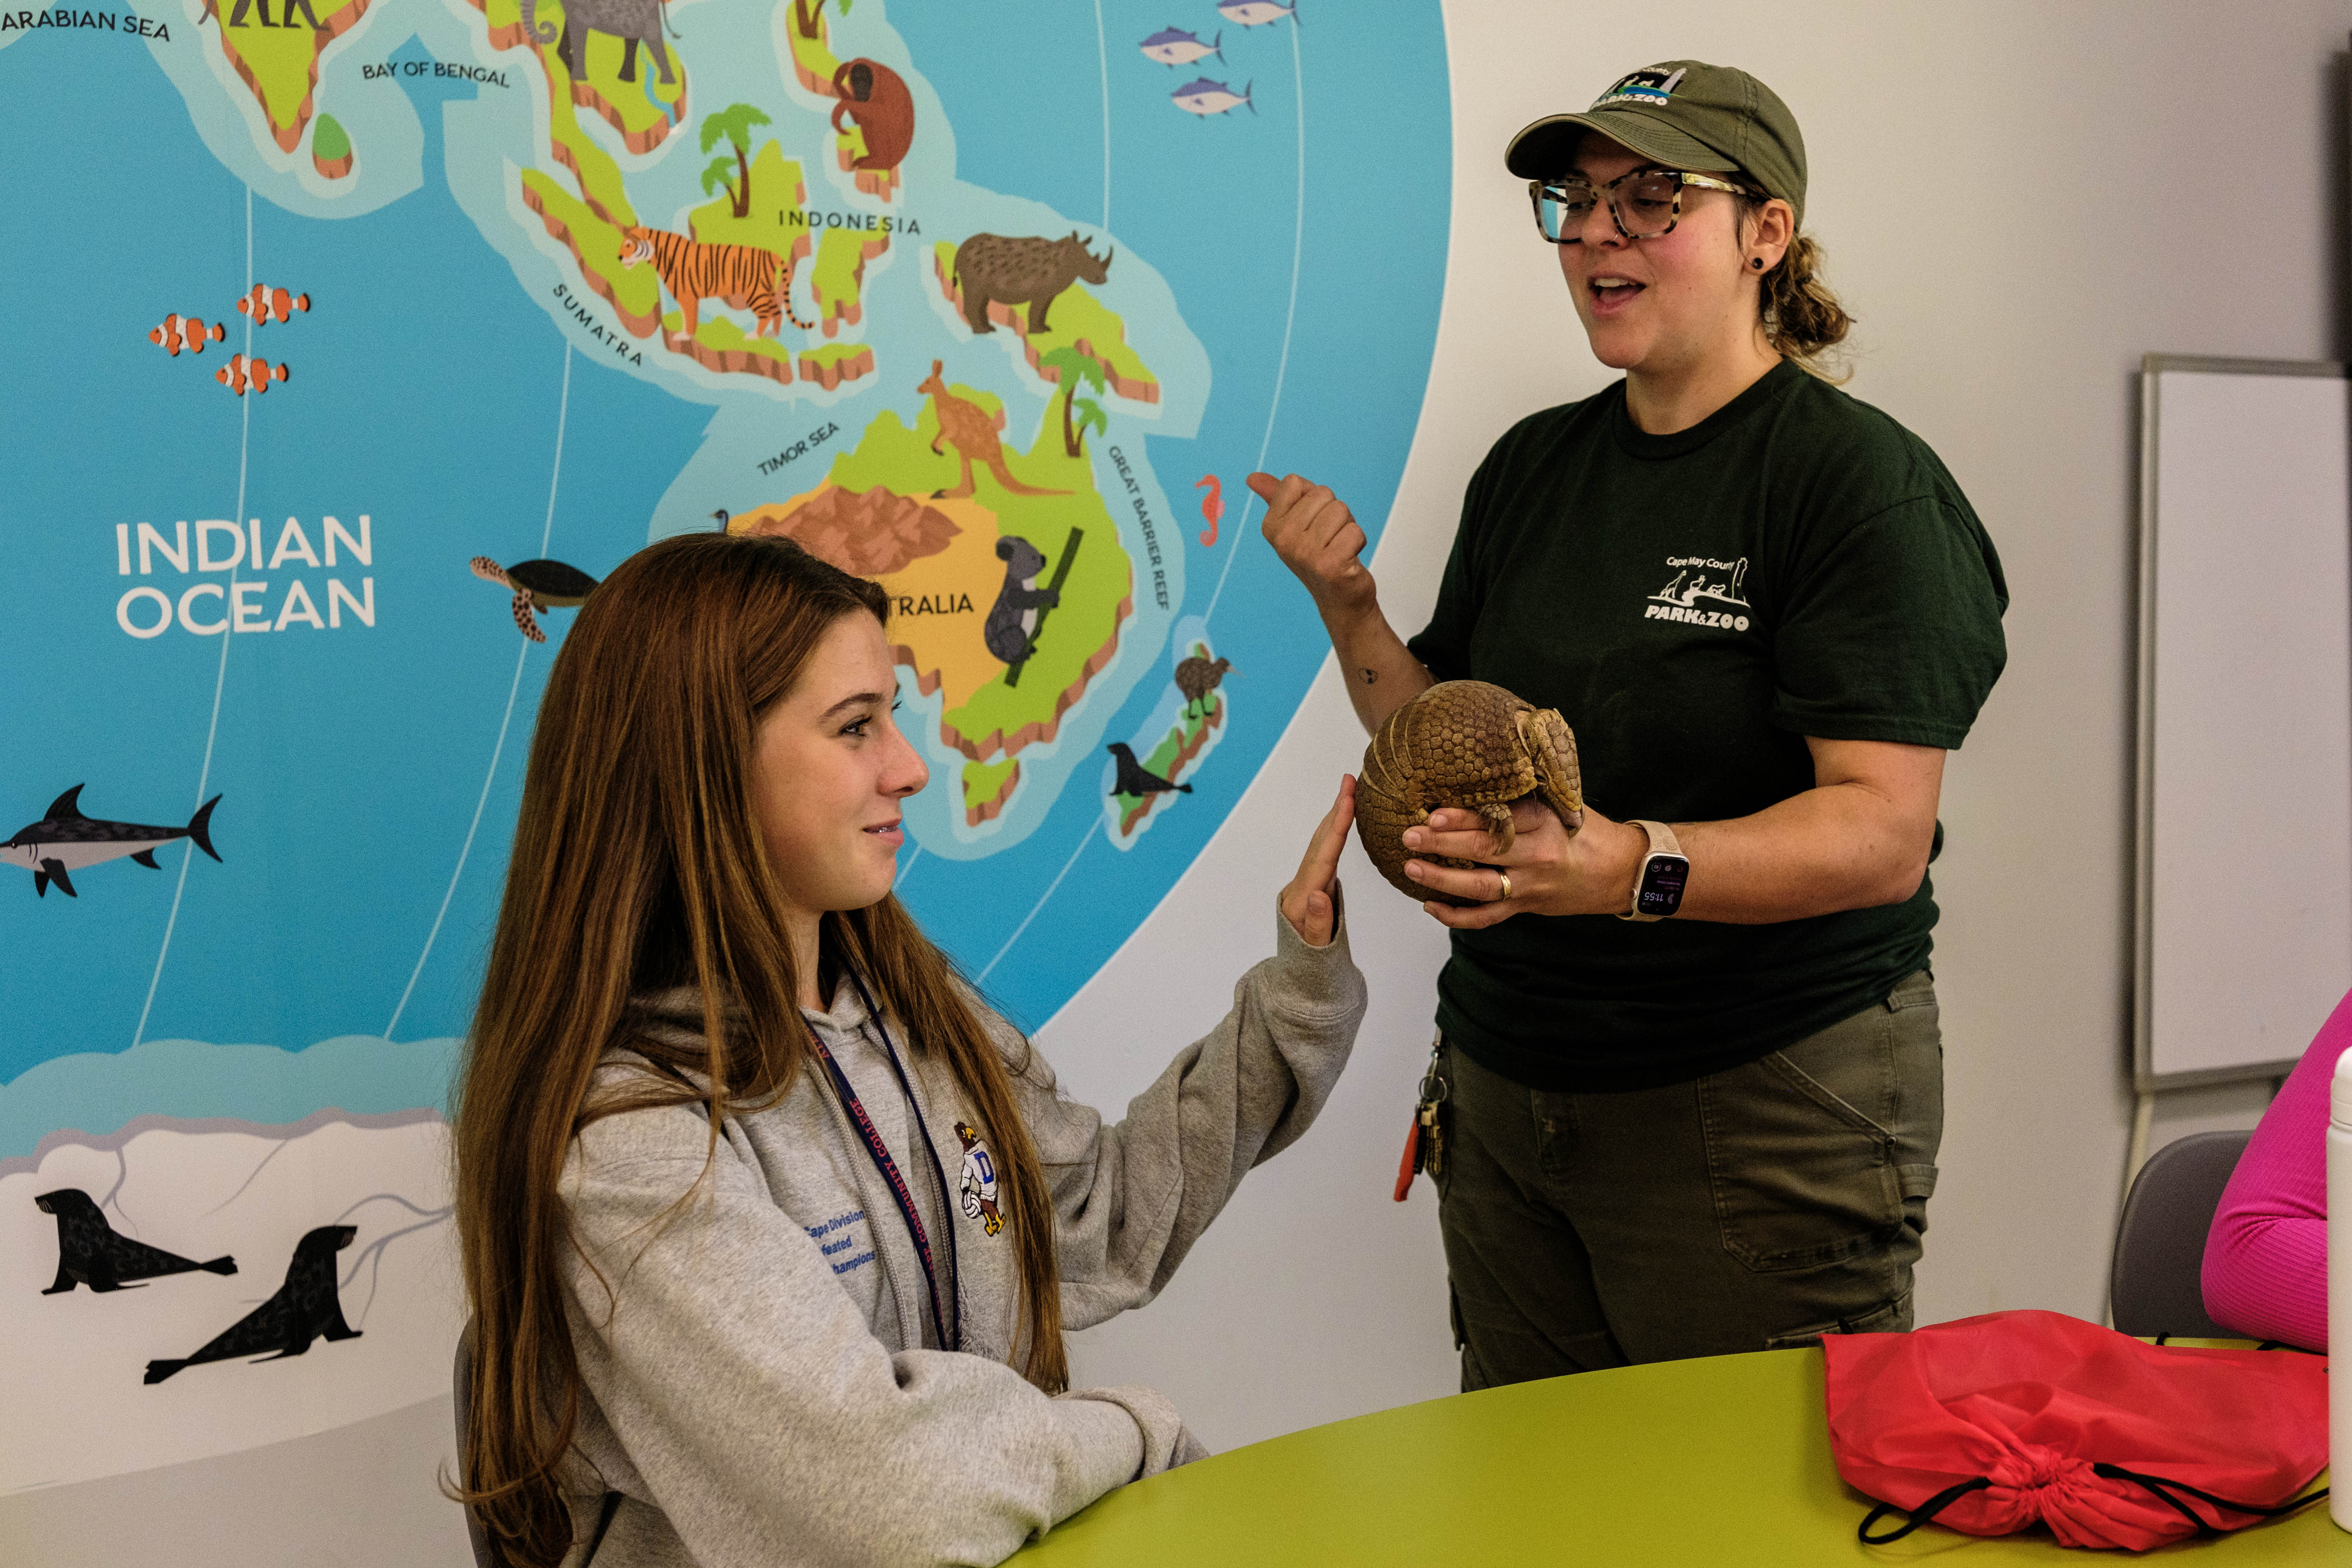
[{"x": 879, "y": 1152}]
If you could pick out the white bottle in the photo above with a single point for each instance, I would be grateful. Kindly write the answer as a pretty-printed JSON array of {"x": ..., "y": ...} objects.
[{"x": 2340, "y": 1285}]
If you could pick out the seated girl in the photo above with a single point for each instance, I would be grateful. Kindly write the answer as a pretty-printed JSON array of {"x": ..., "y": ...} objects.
[
  {"x": 2266, "y": 1258},
  {"x": 770, "y": 1229}
]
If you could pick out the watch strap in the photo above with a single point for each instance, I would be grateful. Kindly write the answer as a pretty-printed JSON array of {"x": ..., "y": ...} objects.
[{"x": 1662, "y": 842}]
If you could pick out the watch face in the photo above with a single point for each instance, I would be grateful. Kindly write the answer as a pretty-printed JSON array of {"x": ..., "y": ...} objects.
[{"x": 1663, "y": 877}]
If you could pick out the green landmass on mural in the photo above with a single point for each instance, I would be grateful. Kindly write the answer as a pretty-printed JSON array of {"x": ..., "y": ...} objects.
[
  {"x": 638, "y": 105},
  {"x": 840, "y": 276},
  {"x": 775, "y": 179},
  {"x": 833, "y": 353},
  {"x": 1075, "y": 316},
  {"x": 1162, "y": 759},
  {"x": 1078, "y": 634},
  {"x": 718, "y": 332},
  {"x": 642, "y": 112},
  {"x": 813, "y": 58},
  {"x": 281, "y": 65},
  {"x": 329, "y": 141},
  {"x": 984, "y": 782},
  {"x": 635, "y": 292},
  {"x": 777, "y": 186}
]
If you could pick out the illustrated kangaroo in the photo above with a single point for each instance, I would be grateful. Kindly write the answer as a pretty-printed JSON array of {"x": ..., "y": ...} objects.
[{"x": 967, "y": 425}]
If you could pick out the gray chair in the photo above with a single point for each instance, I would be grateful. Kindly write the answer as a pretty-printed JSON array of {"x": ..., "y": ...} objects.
[
  {"x": 461, "y": 1384},
  {"x": 2153, "y": 1282}
]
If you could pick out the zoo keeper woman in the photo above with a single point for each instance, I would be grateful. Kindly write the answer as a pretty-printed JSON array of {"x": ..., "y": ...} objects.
[
  {"x": 1766, "y": 609},
  {"x": 770, "y": 1227}
]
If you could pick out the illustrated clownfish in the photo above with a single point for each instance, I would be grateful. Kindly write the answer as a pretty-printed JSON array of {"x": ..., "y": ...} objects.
[
  {"x": 266, "y": 304},
  {"x": 178, "y": 332},
  {"x": 241, "y": 374}
]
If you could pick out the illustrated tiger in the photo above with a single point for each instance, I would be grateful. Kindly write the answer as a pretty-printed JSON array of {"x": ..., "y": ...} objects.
[{"x": 738, "y": 274}]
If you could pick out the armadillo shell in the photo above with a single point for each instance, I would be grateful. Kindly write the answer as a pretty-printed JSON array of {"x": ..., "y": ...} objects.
[{"x": 1459, "y": 743}]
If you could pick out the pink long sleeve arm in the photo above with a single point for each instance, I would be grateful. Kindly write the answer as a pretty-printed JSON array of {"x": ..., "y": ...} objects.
[{"x": 2266, "y": 1258}]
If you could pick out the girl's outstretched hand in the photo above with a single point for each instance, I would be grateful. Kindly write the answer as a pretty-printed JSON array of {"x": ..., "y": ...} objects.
[{"x": 1308, "y": 903}]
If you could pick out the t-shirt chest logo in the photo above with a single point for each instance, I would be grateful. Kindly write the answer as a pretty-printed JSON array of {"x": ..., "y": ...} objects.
[
  {"x": 1703, "y": 592},
  {"x": 978, "y": 1182}
]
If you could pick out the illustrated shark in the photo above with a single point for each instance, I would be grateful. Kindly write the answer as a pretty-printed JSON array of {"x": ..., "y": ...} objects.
[
  {"x": 65, "y": 840},
  {"x": 1256, "y": 13},
  {"x": 1175, "y": 46},
  {"x": 1206, "y": 98}
]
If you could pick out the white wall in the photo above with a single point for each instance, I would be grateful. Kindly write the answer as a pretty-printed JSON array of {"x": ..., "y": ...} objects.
[{"x": 2019, "y": 200}]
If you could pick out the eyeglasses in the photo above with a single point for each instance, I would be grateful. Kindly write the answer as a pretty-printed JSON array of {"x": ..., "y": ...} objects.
[{"x": 1643, "y": 205}]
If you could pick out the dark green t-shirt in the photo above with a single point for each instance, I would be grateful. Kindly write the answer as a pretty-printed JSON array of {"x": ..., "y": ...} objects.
[{"x": 1694, "y": 606}]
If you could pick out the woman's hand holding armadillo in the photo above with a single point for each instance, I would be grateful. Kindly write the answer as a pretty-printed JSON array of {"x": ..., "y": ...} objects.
[
  {"x": 1309, "y": 902},
  {"x": 1551, "y": 870}
]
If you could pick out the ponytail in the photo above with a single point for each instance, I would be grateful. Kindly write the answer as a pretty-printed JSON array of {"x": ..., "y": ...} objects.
[{"x": 1802, "y": 319}]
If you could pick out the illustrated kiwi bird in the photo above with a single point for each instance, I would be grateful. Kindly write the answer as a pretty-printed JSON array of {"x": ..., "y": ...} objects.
[
  {"x": 90, "y": 1253},
  {"x": 538, "y": 585},
  {"x": 1134, "y": 778},
  {"x": 65, "y": 840},
  {"x": 306, "y": 1308},
  {"x": 1196, "y": 678}
]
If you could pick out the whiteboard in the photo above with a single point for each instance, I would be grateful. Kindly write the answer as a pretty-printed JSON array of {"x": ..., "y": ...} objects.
[{"x": 2244, "y": 891}]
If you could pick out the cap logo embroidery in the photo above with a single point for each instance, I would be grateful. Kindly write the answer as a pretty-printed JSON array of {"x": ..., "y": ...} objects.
[{"x": 1640, "y": 87}]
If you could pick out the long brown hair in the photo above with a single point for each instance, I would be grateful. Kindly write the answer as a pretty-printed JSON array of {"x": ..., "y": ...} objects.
[
  {"x": 1802, "y": 319},
  {"x": 638, "y": 866}
]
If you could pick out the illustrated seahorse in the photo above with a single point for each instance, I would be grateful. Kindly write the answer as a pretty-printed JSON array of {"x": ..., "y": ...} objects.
[
  {"x": 967, "y": 425},
  {"x": 693, "y": 272}
]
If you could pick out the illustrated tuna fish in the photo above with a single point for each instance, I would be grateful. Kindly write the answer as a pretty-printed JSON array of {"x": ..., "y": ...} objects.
[
  {"x": 178, "y": 332},
  {"x": 65, "y": 840},
  {"x": 266, "y": 304},
  {"x": 1175, "y": 46},
  {"x": 242, "y": 375},
  {"x": 1206, "y": 98},
  {"x": 1256, "y": 13}
]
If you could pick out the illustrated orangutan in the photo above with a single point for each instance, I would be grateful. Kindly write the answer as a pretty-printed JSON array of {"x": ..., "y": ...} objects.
[{"x": 875, "y": 96}]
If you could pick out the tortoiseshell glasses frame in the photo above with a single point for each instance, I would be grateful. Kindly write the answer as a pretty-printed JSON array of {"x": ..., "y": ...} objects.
[{"x": 1656, "y": 194}]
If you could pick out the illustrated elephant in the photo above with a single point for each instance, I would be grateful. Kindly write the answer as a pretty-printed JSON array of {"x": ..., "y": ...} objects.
[{"x": 633, "y": 20}]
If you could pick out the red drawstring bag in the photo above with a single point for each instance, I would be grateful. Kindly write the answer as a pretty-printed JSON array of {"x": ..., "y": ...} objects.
[{"x": 1990, "y": 1425}]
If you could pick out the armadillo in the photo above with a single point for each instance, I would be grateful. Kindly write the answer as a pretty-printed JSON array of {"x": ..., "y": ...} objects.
[{"x": 1468, "y": 744}]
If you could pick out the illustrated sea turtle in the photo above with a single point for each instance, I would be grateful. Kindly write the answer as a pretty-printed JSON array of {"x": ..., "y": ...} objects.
[
  {"x": 1470, "y": 745},
  {"x": 538, "y": 585}
]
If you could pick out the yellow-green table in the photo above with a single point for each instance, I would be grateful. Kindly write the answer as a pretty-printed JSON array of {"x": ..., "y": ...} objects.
[{"x": 1724, "y": 1460}]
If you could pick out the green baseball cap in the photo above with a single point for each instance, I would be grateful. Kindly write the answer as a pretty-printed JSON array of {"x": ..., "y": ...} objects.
[{"x": 1685, "y": 114}]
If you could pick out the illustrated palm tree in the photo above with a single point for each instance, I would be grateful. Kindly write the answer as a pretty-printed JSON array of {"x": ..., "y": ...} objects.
[
  {"x": 732, "y": 124},
  {"x": 804, "y": 13},
  {"x": 1072, "y": 370}
]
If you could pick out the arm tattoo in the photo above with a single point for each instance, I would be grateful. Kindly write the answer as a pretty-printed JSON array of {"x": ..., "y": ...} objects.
[{"x": 1368, "y": 676}]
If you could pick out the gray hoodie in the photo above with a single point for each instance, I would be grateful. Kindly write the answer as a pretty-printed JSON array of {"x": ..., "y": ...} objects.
[{"x": 764, "y": 1384}]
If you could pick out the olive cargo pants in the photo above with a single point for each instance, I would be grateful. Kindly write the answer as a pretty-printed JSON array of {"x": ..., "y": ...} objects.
[{"x": 1756, "y": 1208}]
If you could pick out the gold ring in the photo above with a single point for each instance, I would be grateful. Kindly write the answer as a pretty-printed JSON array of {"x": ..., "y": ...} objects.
[{"x": 1505, "y": 894}]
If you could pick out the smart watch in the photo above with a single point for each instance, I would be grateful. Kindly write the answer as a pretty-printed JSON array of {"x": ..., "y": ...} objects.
[{"x": 1658, "y": 886}]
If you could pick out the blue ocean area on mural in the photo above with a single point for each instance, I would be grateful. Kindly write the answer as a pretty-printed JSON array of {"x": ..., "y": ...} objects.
[{"x": 359, "y": 372}]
